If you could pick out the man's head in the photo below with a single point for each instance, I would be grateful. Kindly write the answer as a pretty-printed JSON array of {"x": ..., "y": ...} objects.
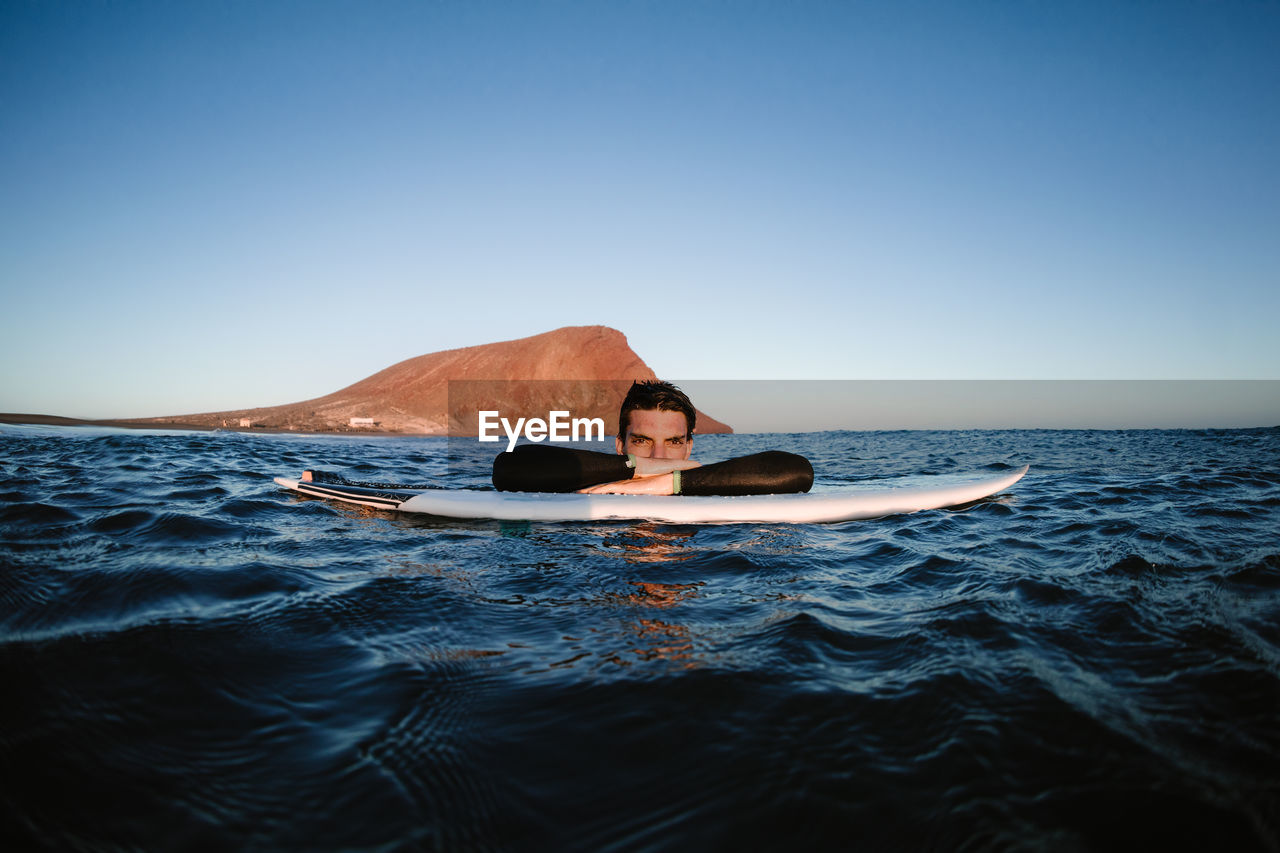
[{"x": 656, "y": 420}]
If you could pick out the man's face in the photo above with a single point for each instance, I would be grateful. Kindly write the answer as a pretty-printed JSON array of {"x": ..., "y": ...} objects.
[{"x": 657, "y": 434}]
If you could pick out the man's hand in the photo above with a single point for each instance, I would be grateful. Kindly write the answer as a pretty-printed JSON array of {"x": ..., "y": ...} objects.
[
  {"x": 661, "y": 484},
  {"x": 648, "y": 466}
]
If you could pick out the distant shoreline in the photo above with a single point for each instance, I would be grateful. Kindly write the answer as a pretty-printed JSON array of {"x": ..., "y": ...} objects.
[
  {"x": 181, "y": 426},
  {"x": 58, "y": 420}
]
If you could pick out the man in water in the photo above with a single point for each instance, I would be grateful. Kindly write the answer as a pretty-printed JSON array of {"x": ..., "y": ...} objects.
[{"x": 654, "y": 443}]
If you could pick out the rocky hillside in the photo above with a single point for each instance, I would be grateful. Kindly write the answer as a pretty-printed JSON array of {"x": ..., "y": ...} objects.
[{"x": 585, "y": 370}]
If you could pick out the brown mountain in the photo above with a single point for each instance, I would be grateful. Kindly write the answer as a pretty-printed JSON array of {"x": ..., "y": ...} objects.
[{"x": 585, "y": 370}]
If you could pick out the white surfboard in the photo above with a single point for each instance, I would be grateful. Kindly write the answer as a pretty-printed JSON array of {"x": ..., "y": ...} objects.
[{"x": 843, "y": 503}]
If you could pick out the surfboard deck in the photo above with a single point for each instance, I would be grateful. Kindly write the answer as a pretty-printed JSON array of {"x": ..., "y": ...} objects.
[{"x": 838, "y": 504}]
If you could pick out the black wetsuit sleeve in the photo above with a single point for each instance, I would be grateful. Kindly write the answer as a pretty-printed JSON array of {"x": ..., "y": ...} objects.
[
  {"x": 773, "y": 472},
  {"x": 546, "y": 468}
]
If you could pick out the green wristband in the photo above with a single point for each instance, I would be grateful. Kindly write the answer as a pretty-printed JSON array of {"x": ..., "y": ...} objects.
[
  {"x": 675, "y": 482},
  {"x": 631, "y": 460}
]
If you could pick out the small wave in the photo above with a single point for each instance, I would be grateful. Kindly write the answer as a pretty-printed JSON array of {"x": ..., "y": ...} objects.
[
  {"x": 167, "y": 527},
  {"x": 24, "y": 515}
]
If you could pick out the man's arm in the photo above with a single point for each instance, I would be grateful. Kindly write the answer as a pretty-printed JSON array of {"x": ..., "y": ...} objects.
[
  {"x": 771, "y": 472},
  {"x": 547, "y": 468}
]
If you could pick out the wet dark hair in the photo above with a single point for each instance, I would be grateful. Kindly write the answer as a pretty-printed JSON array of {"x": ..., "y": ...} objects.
[{"x": 655, "y": 394}]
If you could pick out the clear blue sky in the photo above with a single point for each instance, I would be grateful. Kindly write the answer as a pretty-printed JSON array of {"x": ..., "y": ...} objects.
[{"x": 213, "y": 205}]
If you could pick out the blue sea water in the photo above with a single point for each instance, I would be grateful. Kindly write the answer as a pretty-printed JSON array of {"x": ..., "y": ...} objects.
[{"x": 194, "y": 659}]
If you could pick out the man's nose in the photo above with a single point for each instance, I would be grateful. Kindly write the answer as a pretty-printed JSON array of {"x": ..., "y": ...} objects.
[{"x": 660, "y": 450}]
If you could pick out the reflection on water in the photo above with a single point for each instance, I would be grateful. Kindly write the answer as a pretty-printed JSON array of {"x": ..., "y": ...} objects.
[
  {"x": 662, "y": 594},
  {"x": 658, "y": 640},
  {"x": 650, "y": 639},
  {"x": 648, "y": 542}
]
